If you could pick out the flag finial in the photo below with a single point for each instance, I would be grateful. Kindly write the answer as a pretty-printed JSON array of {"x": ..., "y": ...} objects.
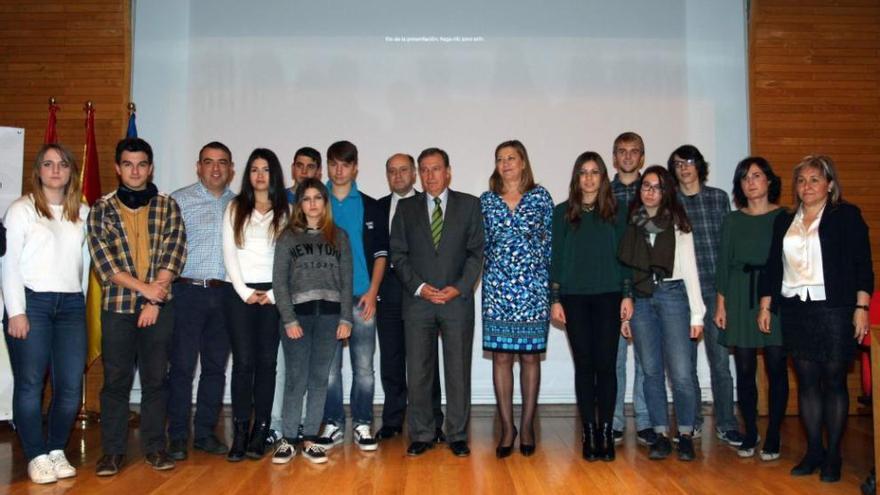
[
  {"x": 89, "y": 105},
  {"x": 132, "y": 107},
  {"x": 52, "y": 101}
]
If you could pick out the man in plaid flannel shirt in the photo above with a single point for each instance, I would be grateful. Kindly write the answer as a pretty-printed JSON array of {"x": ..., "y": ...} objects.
[
  {"x": 138, "y": 246},
  {"x": 706, "y": 208}
]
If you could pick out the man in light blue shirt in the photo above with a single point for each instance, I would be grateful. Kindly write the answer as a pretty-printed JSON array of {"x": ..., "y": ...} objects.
[{"x": 199, "y": 322}]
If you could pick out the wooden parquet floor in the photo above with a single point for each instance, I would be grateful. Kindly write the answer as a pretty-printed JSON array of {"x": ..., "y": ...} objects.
[{"x": 555, "y": 469}]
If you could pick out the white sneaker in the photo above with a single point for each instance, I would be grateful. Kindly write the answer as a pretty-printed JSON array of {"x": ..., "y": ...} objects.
[
  {"x": 364, "y": 438},
  {"x": 331, "y": 435},
  {"x": 284, "y": 453},
  {"x": 62, "y": 467},
  {"x": 41, "y": 470},
  {"x": 315, "y": 453}
]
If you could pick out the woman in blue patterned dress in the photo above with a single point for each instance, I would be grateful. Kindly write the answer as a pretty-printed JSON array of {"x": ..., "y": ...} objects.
[{"x": 517, "y": 216}]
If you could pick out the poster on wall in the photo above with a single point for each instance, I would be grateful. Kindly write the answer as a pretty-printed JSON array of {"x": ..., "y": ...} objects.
[{"x": 11, "y": 159}]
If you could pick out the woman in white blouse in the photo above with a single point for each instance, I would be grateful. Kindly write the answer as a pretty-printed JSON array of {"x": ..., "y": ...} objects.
[
  {"x": 658, "y": 246},
  {"x": 820, "y": 278},
  {"x": 251, "y": 224},
  {"x": 43, "y": 287}
]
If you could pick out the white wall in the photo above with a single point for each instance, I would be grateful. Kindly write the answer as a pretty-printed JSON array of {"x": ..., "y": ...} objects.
[{"x": 563, "y": 76}]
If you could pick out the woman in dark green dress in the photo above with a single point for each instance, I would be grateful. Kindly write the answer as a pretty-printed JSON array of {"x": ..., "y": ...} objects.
[{"x": 745, "y": 243}]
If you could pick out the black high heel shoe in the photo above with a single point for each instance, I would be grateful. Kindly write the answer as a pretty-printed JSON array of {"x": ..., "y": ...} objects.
[
  {"x": 808, "y": 465},
  {"x": 527, "y": 449},
  {"x": 502, "y": 451}
]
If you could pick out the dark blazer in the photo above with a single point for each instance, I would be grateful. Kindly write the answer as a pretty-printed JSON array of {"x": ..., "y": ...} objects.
[
  {"x": 846, "y": 256},
  {"x": 390, "y": 292},
  {"x": 375, "y": 232},
  {"x": 457, "y": 261}
]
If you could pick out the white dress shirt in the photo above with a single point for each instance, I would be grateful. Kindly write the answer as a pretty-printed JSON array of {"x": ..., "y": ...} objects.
[
  {"x": 802, "y": 270},
  {"x": 395, "y": 198},
  {"x": 444, "y": 198}
]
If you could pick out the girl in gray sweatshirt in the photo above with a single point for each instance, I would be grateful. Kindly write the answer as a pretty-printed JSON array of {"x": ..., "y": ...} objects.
[{"x": 312, "y": 280}]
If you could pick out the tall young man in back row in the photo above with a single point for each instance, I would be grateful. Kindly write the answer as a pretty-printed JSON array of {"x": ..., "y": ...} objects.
[
  {"x": 629, "y": 158},
  {"x": 361, "y": 218},
  {"x": 706, "y": 208}
]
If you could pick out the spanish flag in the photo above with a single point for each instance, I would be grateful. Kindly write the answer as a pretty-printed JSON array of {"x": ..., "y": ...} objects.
[{"x": 91, "y": 189}]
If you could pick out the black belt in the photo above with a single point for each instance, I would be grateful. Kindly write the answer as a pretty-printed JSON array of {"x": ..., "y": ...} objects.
[
  {"x": 210, "y": 283},
  {"x": 753, "y": 271},
  {"x": 319, "y": 307}
]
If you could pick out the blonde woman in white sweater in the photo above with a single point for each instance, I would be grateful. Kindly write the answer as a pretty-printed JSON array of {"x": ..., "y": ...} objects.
[{"x": 43, "y": 286}]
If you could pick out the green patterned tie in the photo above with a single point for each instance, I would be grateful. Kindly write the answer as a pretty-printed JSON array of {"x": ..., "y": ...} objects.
[{"x": 436, "y": 222}]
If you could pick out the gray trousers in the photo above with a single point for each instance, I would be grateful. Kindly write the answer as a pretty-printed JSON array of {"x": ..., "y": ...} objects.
[
  {"x": 457, "y": 335},
  {"x": 307, "y": 367}
]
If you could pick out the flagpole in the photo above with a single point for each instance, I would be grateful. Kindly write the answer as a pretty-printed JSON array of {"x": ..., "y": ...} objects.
[{"x": 85, "y": 418}]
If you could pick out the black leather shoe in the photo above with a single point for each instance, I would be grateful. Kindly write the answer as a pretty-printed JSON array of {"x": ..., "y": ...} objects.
[
  {"x": 590, "y": 443},
  {"x": 686, "y": 448},
  {"x": 502, "y": 451},
  {"x": 808, "y": 465},
  {"x": 109, "y": 465},
  {"x": 830, "y": 471},
  {"x": 177, "y": 449},
  {"x": 606, "y": 443},
  {"x": 460, "y": 448},
  {"x": 661, "y": 448},
  {"x": 239, "y": 440},
  {"x": 418, "y": 448},
  {"x": 210, "y": 444},
  {"x": 388, "y": 432},
  {"x": 159, "y": 460},
  {"x": 439, "y": 436},
  {"x": 256, "y": 447}
]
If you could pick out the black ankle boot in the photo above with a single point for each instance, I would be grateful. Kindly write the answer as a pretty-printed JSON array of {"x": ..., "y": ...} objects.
[
  {"x": 590, "y": 442},
  {"x": 239, "y": 440},
  {"x": 256, "y": 446},
  {"x": 606, "y": 442}
]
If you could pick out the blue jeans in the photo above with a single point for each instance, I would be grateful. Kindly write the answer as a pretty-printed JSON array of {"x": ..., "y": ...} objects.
[
  {"x": 361, "y": 347},
  {"x": 719, "y": 370},
  {"x": 309, "y": 359},
  {"x": 661, "y": 334},
  {"x": 643, "y": 421},
  {"x": 280, "y": 380},
  {"x": 57, "y": 342}
]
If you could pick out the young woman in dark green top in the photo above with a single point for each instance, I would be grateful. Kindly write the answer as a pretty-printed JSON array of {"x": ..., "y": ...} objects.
[
  {"x": 589, "y": 294},
  {"x": 745, "y": 243}
]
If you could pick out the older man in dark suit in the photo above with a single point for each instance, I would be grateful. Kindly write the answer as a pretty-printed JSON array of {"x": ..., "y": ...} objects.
[
  {"x": 437, "y": 250},
  {"x": 400, "y": 169}
]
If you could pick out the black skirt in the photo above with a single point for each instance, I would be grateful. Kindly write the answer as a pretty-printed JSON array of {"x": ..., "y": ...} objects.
[{"x": 814, "y": 331}]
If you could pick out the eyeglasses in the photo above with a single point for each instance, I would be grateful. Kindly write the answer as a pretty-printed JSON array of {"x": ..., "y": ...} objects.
[
  {"x": 680, "y": 164},
  {"x": 307, "y": 166},
  {"x": 651, "y": 187}
]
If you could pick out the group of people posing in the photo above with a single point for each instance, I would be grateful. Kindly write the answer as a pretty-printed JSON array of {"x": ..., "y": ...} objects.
[{"x": 284, "y": 277}]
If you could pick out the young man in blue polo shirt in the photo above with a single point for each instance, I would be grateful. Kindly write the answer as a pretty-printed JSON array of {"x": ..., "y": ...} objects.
[{"x": 361, "y": 218}]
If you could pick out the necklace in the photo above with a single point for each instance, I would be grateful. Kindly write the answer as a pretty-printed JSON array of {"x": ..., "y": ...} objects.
[{"x": 588, "y": 207}]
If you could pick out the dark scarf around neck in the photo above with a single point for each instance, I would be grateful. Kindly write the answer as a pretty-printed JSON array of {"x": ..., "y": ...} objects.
[
  {"x": 135, "y": 199},
  {"x": 649, "y": 264}
]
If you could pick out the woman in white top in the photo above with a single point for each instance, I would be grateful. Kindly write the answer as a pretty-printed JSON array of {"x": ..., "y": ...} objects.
[
  {"x": 252, "y": 222},
  {"x": 43, "y": 287},
  {"x": 668, "y": 316},
  {"x": 820, "y": 278}
]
